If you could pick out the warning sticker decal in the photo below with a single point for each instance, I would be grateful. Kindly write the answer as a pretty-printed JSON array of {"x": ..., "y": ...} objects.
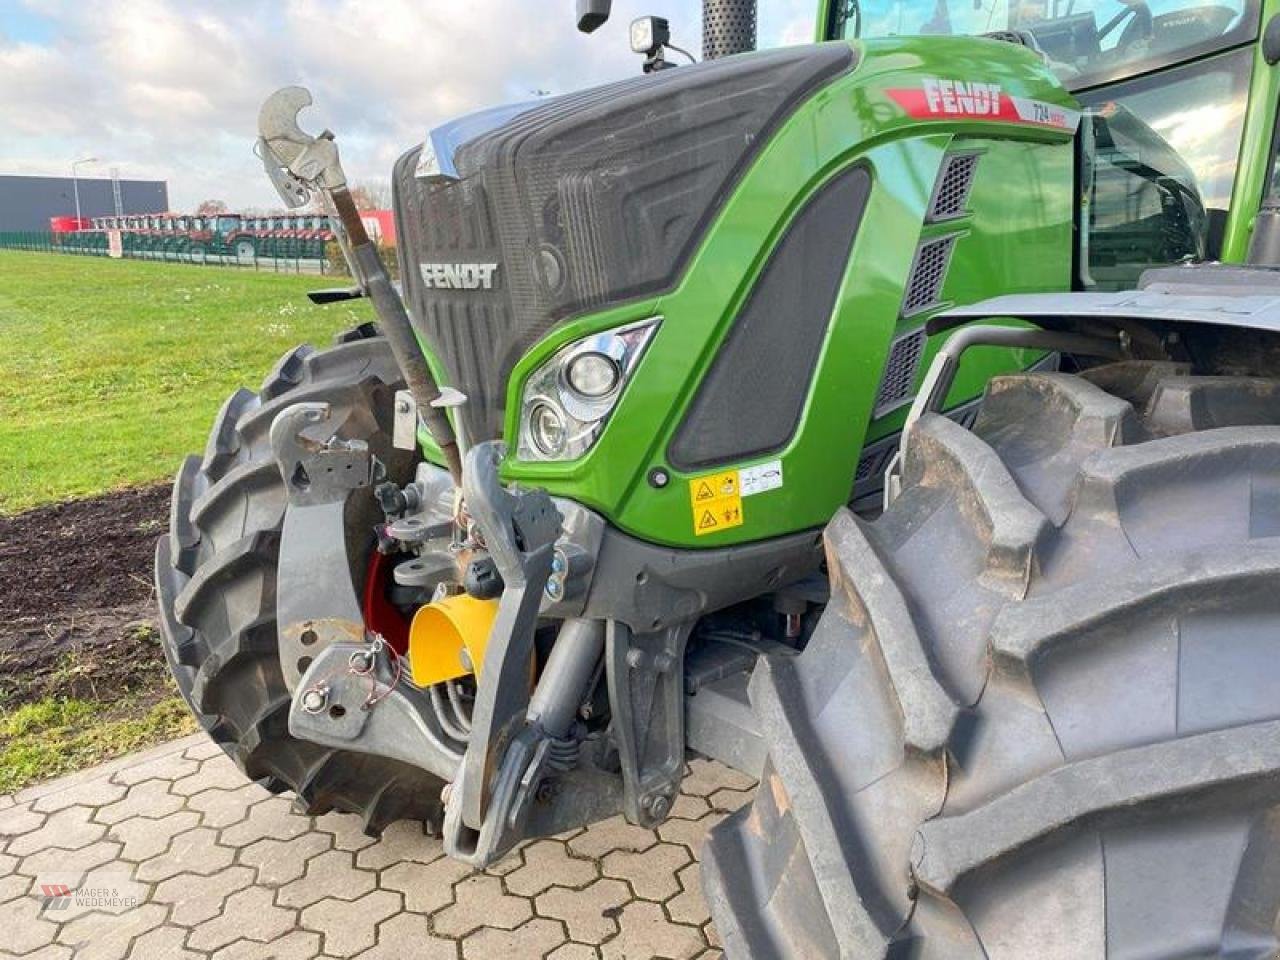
[{"x": 716, "y": 500}]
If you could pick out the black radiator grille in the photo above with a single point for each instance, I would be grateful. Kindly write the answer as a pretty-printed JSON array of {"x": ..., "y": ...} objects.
[
  {"x": 951, "y": 192},
  {"x": 898, "y": 381},
  {"x": 924, "y": 289}
]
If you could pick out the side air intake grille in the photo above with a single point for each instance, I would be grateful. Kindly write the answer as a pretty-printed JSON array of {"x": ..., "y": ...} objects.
[
  {"x": 900, "y": 372},
  {"x": 927, "y": 274},
  {"x": 875, "y": 458},
  {"x": 952, "y": 189}
]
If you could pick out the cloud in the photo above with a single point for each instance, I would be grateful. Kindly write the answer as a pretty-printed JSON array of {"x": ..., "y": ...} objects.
[{"x": 171, "y": 89}]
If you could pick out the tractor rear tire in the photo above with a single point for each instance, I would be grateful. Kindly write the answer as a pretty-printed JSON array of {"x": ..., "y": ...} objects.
[
  {"x": 1039, "y": 717},
  {"x": 216, "y": 579}
]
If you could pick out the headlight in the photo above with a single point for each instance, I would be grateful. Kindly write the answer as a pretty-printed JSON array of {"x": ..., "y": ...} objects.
[
  {"x": 567, "y": 400},
  {"x": 593, "y": 374},
  {"x": 546, "y": 430}
]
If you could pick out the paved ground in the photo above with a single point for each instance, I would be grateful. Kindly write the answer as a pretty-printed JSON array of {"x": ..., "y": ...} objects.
[{"x": 169, "y": 855}]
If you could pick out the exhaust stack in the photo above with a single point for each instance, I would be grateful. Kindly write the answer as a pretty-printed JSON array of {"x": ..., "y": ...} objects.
[{"x": 728, "y": 27}]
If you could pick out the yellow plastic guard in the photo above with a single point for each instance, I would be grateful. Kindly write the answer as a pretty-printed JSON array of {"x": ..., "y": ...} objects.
[{"x": 442, "y": 632}]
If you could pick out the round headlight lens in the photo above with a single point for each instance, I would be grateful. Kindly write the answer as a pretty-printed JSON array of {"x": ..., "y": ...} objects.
[
  {"x": 546, "y": 427},
  {"x": 593, "y": 374}
]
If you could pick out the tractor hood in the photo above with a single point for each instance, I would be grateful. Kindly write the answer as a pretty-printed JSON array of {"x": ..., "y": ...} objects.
[{"x": 515, "y": 219}]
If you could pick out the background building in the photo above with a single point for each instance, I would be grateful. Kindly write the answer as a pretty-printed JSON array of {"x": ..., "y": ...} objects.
[{"x": 27, "y": 203}]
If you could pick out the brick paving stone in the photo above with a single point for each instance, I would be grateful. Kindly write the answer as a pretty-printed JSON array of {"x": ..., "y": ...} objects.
[
  {"x": 196, "y": 851},
  {"x": 650, "y": 873},
  {"x": 328, "y": 875},
  {"x": 346, "y": 828},
  {"x": 689, "y": 906},
  {"x": 87, "y": 793},
  {"x": 68, "y": 829},
  {"x": 646, "y": 932},
  {"x": 348, "y": 928},
  {"x": 234, "y": 874},
  {"x": 271, "y": 817},
  {"x": 14, "y": 886},
  {"x": 547, "y": 863},
  {"x": 248, "y": 914},
  {"x": 216, "y": 774},
  {"x": 20, "y": 819},
  {"x": 533, "y": 939},
  {"x": 689, "y": 807},
  {"x": 295, "y": 945},
  {"x": 204, "y": 749},
  {"x": 573, "y": 951},
  {"x": 588, "y": 914},
  {"x": 151, "y": 798},
  {"x": 143, "y": 838},
  {"x": 196, "y": 899},
  {"x": 426, "y": 886},
  {"x": 712, "y": 934},
  {"x": 163, "y": 943},
  {"x": 403, "y": 840},
  {"x": 479, "y": 901},
  {"x": 612, "y": 834},
  {"x": 280, "y": 861},
  {"x": 170, "y": 766},
  {"x": 221, "y": 808},
  {"x": 100, "y": 936},
  {"x": 54, "y": 951},
  {"x": 689, "y": 833},
  {"x": 408, "y": 936},
  {"x": 74, "y": 862},
  {"x": 730, "y": 800},
  {"x": 705, "y": 777},
  {"x": 22, "y": 926}
]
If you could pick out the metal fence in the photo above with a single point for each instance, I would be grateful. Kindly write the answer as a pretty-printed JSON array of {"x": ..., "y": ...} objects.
[{"x": 272, "y": 254}]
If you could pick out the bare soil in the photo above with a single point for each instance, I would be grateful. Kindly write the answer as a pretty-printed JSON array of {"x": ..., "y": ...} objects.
[{"x": 76, "y": 614}]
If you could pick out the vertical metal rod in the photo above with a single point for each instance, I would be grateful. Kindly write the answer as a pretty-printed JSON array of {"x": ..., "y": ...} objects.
[{"x": 568, "y": 670}]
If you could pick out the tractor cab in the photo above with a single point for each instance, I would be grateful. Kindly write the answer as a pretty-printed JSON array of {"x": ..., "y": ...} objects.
[{"x": 1173, "y": 157}]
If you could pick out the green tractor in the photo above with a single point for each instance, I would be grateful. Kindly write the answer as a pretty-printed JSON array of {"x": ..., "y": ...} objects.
[{"x": 893, "y": 418}]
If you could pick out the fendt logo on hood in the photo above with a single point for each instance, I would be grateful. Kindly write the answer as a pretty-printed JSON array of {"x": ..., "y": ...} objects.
[
  {"x": 937, "y": 98},
  {"x": 459, "y": 276},
  {"x": 974, "y": 99}
]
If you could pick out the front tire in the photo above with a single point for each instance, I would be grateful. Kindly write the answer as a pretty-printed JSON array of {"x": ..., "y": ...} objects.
[
  {"x": 215, "y": 582},
  {"x": 1039, "y": 717}
]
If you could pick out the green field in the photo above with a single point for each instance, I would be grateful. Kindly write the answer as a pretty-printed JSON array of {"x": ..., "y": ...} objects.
[{"x": 111, "y": 370}]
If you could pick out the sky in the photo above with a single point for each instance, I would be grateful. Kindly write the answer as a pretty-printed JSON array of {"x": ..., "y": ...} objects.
[{"x": 170, "y": 89}]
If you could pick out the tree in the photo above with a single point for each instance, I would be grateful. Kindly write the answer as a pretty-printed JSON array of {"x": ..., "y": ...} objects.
[{"x": 210, "y": 208}]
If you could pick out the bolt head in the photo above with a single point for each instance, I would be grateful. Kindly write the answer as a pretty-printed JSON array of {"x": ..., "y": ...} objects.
[{"x": 314, "y": 699}]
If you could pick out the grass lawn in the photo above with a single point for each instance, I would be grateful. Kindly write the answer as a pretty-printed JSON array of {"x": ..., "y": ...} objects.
[{"x": 111, "y": 370}]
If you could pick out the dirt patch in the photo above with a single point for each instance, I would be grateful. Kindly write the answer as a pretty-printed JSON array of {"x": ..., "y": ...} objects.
[{"x": 76, "y": 615}]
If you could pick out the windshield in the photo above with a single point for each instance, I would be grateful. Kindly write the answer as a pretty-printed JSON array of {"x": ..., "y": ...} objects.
[{"x": 1087, "y": 41}]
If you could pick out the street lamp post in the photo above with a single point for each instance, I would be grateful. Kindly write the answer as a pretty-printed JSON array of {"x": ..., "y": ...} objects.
[{"x": 75, "y": 183}]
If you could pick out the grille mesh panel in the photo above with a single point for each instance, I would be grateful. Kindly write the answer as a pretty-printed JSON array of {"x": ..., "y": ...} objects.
[
  {"x": 925, "y": 287},
  {"x": 900, "y": 372},
  {"x": 952, "y": 191}
]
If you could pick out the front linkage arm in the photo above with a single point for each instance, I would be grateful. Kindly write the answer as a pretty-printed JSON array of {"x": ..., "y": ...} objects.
[{"x": 300, "y": 164}]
